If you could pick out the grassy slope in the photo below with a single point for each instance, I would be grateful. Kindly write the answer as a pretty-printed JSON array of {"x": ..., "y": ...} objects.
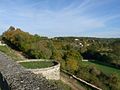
[
  {"x": 105, "y": 69},
  {"x": 8, "y": 51}
]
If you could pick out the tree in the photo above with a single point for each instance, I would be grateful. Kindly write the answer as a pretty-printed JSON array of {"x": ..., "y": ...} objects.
[
  {"x": 72, "y": 54},
  {"x": 116, "y": 47},
  {"x": 72, "y": 59},
  {"x": 29, "y": 44},
  {"x": 57, "y": 55},
  {"x": 114, "y": 82},
  {"x": 72, "y": 65}
]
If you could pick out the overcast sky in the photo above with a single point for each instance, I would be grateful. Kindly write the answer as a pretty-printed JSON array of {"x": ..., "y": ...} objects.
[{"x": 95, "y": 18}]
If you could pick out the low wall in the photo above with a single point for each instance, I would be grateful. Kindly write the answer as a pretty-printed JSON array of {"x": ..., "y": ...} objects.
[
  {"x": 52, "y": 72},
  {"x": 15, "y": 77}
]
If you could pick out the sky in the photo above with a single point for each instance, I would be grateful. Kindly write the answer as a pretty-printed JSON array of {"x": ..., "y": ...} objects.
[{"x": 88, "y": 18}]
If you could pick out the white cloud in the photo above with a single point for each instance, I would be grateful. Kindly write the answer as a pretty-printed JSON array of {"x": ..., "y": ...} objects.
[{"x": 70, "y": 19}]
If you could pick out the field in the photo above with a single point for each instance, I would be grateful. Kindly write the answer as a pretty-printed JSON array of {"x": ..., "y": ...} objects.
[
  {"x": 105, "y": 69},
  {"x": 37, "y": 64}
]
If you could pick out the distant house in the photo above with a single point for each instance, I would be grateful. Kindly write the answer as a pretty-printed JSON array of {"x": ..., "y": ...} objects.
[
  {"x": 76, "y": 39},
  {"x": 88, "y": 44},
  {"x": 81, "y": 44},
  {"x": 84, "y": 60}
]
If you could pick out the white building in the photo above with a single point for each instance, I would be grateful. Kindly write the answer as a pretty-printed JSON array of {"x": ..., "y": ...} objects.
[{"x": 76, "y": 39}]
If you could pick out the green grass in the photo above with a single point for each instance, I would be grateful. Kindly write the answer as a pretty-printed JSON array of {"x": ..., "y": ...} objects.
[
  {"x": 8, "y": 51},
  {"x": 105, "y": 69},
  {"x": 37, "y": 64},
  {"x": 4, "y": 49}
]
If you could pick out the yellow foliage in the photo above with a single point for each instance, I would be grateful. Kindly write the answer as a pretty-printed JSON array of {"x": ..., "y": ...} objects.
[{"x": 72, "y": 65}]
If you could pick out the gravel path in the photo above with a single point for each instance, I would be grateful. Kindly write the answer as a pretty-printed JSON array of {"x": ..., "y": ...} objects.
[{"x": 20, "y": 79}]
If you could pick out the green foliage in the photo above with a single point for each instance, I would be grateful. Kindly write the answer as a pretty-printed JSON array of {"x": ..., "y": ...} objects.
[
  {"x": 72, "y": 60},
  {"x": 116, "y": 47},
  {"x": 29, "y": 44},
  {"x": 57, "y": 55},
  {"x": 72, "y": 65},
  {"x": 72, "y": 54},
  {"x": 116, "y": 52},
  {"x": 108, "y": 58},
  {"x": 114, "y": 82},
  {"x": 99, "y": 75},
  {"x": 91, "y": 54},
  {"x": 105, "y": 69}
]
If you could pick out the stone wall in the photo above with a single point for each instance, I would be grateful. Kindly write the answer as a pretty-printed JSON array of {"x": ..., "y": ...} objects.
[
  {"x": 18, "y": 78},
  {"x": 52, "y": 72},
  {"x": 3, "y": 83}
]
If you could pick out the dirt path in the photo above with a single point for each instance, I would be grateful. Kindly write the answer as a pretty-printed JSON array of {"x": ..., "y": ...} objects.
[{"x": 71, "y": 82}]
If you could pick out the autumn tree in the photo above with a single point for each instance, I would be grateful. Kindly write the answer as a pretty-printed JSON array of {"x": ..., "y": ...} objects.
[{"x": 72, "y": 59}]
